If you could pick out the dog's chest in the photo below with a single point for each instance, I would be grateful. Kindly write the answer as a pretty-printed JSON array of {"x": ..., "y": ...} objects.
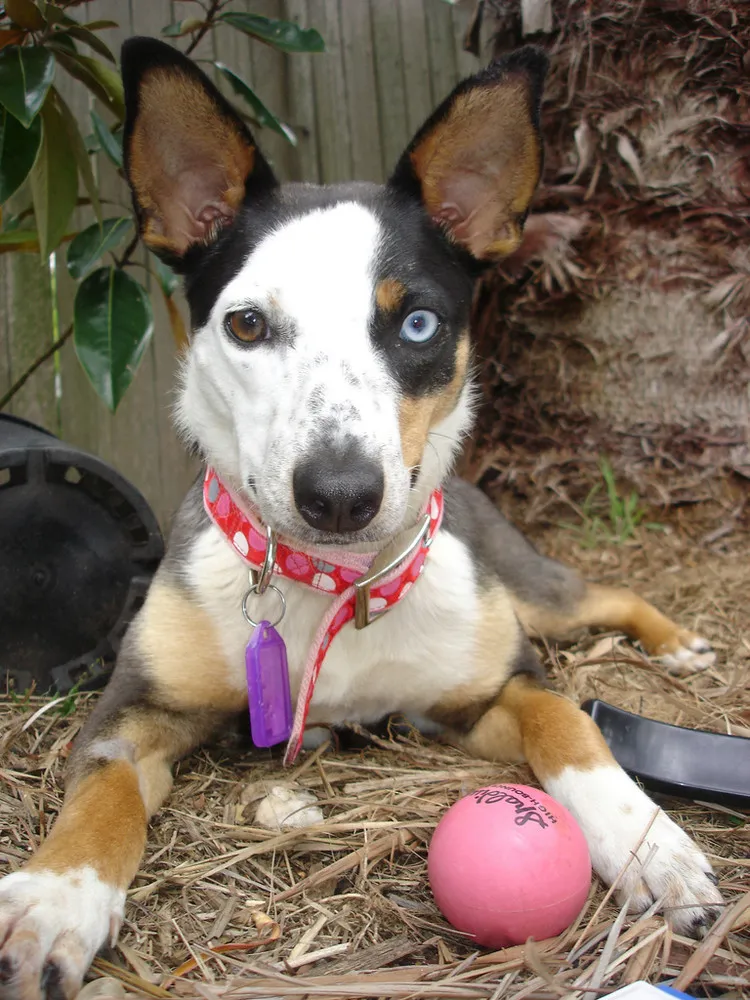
[{"x": 416, "y": 653}]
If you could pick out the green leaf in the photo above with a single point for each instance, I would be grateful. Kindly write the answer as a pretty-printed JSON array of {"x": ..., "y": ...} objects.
[
  {"x": 101, "y": 24},
  {"x": 185, "y": 27},
  {"x": 80, "y": 153},
  {"x": 56, "y": 15},
  {"x": 165, "y": 276},
  {"x": 25, "y": 78},
  {"x": 281, "y": 34},
  {"x": 110, "y": 143},
  {"x": 91, "y": 244},
  {"x": 18, "y": 149},
  {"x": 23, "y": 240},
  {"x": 25, "y": 14},
  {"x": 64, "y": 43},
  {"x": 265, "y": 118},
  {"x": 112, "y": 326},
  {"x": 19, "y": 236},
  {"x": 54, "y": 178},
  {"x": 92, "y": 40},
  {"x": 102, "y": 81}
]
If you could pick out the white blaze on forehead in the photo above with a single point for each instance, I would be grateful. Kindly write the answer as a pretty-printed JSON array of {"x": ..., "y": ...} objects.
[{"x": 318, "y": 271}]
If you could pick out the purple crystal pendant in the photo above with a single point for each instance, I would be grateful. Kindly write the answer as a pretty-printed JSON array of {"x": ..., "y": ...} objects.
[{"x": 268, "y": 691}]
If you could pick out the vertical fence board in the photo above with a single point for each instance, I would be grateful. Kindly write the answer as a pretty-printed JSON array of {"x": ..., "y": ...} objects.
[
  {"x": 6, "y": 372},
  {"x": 270, "y": 83},
  {"x": 389, "y": 79},
  {"x": 305, "y": 165},
  {"x": 441, "y": 39},
  {"x": 29, "y": 307},
  {"x": 361, "y": 93},
  {"x": 466, "y": 63},
  {"x": 330, "y": 95},
  {"x": 417, "y": 92},
  {"x": 81, "y": 411}
]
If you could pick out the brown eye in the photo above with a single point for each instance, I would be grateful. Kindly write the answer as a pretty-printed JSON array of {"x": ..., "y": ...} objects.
[{"x": 246, "y": 325}]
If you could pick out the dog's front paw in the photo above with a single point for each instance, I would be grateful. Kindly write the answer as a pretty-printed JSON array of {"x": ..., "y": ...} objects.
[
  {"x": 684, "y": 652},
  {"x": 668, "y": 867},
  {"x": 51, "y": 927}
]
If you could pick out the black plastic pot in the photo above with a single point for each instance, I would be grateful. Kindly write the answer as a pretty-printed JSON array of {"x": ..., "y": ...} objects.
[{"x": 78, "y": 548}]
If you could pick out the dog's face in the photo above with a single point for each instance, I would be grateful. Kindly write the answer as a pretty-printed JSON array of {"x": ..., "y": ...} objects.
[{"x": 328, "y": 373}]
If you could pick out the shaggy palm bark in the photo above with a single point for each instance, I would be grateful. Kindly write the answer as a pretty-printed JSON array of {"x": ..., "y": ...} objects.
[{"x": 621, "y": 325}]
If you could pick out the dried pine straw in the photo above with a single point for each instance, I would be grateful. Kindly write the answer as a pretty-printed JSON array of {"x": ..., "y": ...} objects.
[{"x": 221, "y": 908}]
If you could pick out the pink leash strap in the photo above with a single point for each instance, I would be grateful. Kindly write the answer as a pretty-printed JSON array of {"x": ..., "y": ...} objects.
[{"x": 312, "y": 568}]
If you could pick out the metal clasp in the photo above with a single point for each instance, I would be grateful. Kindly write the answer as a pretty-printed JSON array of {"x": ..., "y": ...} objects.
[
  {"x": 260, "y": 580},
  {"x": 373, "y": 576}
]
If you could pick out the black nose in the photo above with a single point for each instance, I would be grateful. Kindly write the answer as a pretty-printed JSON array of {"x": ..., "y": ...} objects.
[{"x": 338, "y": 492}]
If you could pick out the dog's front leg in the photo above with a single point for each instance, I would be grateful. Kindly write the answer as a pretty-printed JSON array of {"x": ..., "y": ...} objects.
[
  {"x": 57, "y": 911},
  {"x": 573, "y": 763}
]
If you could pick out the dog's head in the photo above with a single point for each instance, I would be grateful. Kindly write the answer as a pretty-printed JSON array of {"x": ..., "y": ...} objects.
[{"x": 328, "y": 372}]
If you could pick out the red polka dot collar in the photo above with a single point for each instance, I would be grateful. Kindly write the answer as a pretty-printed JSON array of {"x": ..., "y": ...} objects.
[{"x": 364, "y": 585}]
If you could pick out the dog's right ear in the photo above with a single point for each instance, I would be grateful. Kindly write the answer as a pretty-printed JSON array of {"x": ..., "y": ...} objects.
[{"x": 189, "y": 158}]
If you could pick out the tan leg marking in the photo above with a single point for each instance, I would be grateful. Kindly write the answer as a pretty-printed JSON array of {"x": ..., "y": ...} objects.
[
  {"x": 615, "y": 608},
  {"x": 102, "y": 826},
  {"x": 541, "y": 727},
  {"x": 182, "y": 654},
  {"x": 418, "y": 415}
]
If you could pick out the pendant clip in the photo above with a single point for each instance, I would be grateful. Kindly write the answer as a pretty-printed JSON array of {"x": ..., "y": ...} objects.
[
  {"x": 261, "y": 579},
  {"x": 373, "y": 576}
]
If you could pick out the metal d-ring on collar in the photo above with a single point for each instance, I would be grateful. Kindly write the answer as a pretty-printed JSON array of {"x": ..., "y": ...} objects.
[
  {"x": 362, "y": 586},
  {"x": 260, "y": 580}
]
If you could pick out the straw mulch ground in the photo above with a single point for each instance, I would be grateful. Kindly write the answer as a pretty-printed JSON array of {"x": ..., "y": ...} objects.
[{"x": 344, "y": 909}]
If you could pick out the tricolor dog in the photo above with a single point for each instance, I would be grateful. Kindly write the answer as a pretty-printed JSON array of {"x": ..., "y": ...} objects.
[{"x": 328, "y": 388}]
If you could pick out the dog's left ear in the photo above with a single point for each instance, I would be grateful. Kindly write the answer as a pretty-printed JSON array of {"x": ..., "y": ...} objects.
[
  {"x": 477, "y": 160},
  {"x": 190, "y": 160}
]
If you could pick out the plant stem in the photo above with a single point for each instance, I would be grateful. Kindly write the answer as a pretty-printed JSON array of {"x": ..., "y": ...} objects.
[
  {"x": 205, "y": 27},
  {"x": 21, "y": 382}
]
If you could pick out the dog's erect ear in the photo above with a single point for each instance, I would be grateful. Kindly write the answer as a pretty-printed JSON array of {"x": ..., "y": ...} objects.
[
  {"x": 476, "y": 162},
  {"x": 189, "y": 158}
]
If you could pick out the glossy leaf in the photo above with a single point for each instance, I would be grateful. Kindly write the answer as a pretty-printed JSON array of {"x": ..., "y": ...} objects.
[
  {"x": 18, "y": 149},
  {"x": 81, "y": 155},
  {"x": 54, "y": 178},
  {"x": 90, "y": 245},
  {"x": 25, "y": 14},
  {"x": 24, "y": 240},
  {"x": 282, "y": 35},
  {"x": 25, "y": 77},
  {"x": 110, "y": 143},
  {"x": 56, "y": 15},
  {"x": 166, "y": 277},
  {"x": 103, "y": 82},
  {"x": 265, "y": 118},
  {"x": 64, "y": 43},
  {"x": 100, "y": 24},
  {"x": 185, "y": 27},
  {"x": 92, "y": 40},
  {"x": 112, "y": 327},
  {"x": 176, "y": 323},
  {"x": 19, "y": 237}
]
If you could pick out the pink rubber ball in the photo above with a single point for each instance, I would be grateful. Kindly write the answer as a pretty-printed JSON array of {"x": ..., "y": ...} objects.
[{"x": 507, "y": 863}]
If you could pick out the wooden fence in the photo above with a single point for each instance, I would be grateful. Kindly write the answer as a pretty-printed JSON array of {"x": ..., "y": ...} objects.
[{"x": 354, "y": 108}]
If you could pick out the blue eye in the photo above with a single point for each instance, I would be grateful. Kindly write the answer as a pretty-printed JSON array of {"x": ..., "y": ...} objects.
[{"x": 419, "y": 326}]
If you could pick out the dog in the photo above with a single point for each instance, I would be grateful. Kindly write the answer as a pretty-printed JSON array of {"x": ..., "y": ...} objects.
[{"x": 328, "y": 388}]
